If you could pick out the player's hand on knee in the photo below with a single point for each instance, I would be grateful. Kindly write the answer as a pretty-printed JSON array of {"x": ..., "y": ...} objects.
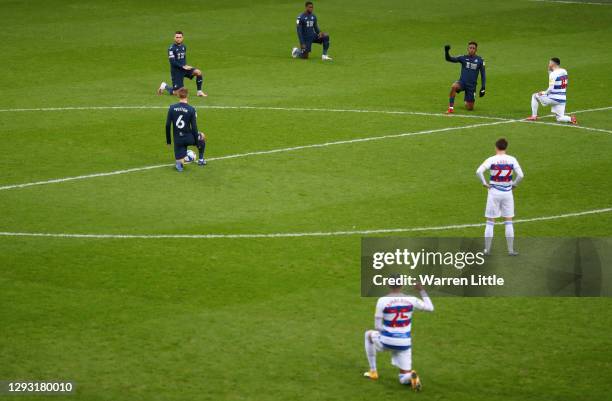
[
  {"x": 187, "y": 67},
  {"x": 202, "y": 136}
]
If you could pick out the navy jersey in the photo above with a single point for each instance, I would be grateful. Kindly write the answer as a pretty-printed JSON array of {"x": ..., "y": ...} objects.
[
  {"x": 470, "y": 66},
  {"x": 177, "y": 55},
  {"x": 182, "y": 117},
  {"x": 307, "y": 27}
]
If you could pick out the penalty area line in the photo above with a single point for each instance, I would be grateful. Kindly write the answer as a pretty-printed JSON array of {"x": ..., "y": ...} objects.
[{"x": 297, "y": 234}]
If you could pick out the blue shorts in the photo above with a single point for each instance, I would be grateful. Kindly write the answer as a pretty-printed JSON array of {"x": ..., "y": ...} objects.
[
  {"x": 308, "y": 43},
  {"x": 178, "y": 77},
  {"x": 181, "y": 142},
  {"x": 470, "y": 91}
]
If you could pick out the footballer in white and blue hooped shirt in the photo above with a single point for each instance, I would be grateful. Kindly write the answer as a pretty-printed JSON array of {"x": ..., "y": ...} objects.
[
  {"x": 393, "y": 322},
  {"x": 504, "y": 174},
  {"x": 555, "y": 95}
]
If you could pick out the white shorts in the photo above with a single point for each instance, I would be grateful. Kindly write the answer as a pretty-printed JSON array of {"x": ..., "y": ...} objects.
[
  {"x": 499, "y": 204},
  {"x": 400, "y": 359},
  {"x": 556, "y": 107}
]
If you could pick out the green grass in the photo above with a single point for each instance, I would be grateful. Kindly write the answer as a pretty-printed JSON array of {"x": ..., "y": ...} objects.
[{"x": 282, "y": 319}]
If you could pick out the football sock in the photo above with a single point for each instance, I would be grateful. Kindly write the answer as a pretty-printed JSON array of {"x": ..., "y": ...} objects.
[
  {"x": 169, "y": 89},
  {"x": 201, "y": 148},
  {"x": 179, "y": 165},
  {"x": 370, "y": 351},
  {"x": 325, "y": 44},
  {"x": 534, "y": 106},
  {"x": 199, "y": 81},
  {"x": 451, "y": 102},
  {"x": 564, "y": 119},
  {"x": 404, "y": 378},
  {"x": 509, "y": 235},
  {"x": 488, "y": 235}
]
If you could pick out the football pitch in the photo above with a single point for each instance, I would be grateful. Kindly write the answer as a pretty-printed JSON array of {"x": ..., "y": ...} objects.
[{"x": 240, "y": 280}]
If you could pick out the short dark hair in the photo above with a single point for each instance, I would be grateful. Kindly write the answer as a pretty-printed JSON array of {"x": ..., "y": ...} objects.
[
  {"x": 182, "y": 93},
  {"x": 308, "y": 3},
  {"x": 556, "y": 60},
  {"x": 501, "y": 144},
  {"x": 178, "y": 32},
  {"x": 473, "y": 43}
]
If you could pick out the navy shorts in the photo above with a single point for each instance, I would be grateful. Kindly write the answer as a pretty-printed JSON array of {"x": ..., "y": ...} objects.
[
  {"x": 470, "y": 91},
  {"x": 178, "y": 77},
  {"x": 308, "y": 43},
  {"x": 181, "y": 142}
]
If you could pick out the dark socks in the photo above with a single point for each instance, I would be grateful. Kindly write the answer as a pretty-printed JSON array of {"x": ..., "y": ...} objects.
[
  {"x": 325, "y": 44},
  {"x": 201, "y": 148}
]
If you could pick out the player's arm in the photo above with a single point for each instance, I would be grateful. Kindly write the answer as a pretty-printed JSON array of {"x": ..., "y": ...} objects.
[
  {"x": 424, "y": 303},
  {"x": 448, "y": 57},
  {"x": 480, "y": 173},
  {"x": 300, "y": 31},
  {"x": 518, "y": 171},
  {"x": 173, "y": 61},
  {"x": 194, "y": 124},
  {"x": 551, "y": 86},
  {"x": 378, "y": 316},
  {"x": 483, "y": 79},
  {"x": 168, "y": 127}
]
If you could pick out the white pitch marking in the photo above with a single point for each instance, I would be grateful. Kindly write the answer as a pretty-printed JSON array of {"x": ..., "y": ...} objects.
[
  {"x": 568, "y": 126},
  {"x": 270, "y": 108},
  {"x": 499, "y": 120},
  {"x": 263, "y": 152},
  {"x": 297, "y": 234},
  {"x": 572, "y": 2}
]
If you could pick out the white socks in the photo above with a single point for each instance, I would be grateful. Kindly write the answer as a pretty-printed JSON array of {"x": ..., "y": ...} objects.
[
  {"x": 564, "y": 119},
  {"x": 370, "y": 351},
  {"x": 488, "y": 235},
  {"x": 509, "y": 235},
  {"x": 404, "y": 378},
  {"x": 534, "y": 105}
]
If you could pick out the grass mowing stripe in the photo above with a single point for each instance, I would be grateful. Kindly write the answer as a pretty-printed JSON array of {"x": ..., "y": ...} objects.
[
  {"x": 263, "y": 152},
  {"x": 302, "y": 234}
]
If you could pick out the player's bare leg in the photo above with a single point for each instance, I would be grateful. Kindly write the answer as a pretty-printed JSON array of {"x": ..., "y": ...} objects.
[
  {"x": 510, "y": 236},
  {"x": 451, "y": 97},
  {"x": 199, "y": 80},
  {"x": 488, "y": 235},
  {"x": 370, "y": 350}
]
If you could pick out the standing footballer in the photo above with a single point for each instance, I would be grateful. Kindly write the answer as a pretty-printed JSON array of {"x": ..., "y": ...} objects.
[
  {"x": 471, "y": 64},
  {"x": 182, "y": 118},
  {"x": 308, "y": 32},
  {"x": 179, "y": 69},
  {"x": 500, "y": 201}
]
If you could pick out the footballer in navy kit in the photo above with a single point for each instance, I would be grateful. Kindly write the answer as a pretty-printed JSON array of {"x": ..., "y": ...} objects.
[
  {"x": 308, "y": 32},
  {"x": 182, "y": 118},
  {"x": 179, "y": 69},
  {"x": 471, "y": 65}
]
